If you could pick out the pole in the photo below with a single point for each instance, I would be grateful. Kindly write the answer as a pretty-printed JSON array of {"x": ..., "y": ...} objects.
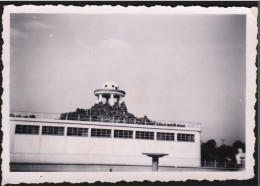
[{"x": 155, "y": 164}]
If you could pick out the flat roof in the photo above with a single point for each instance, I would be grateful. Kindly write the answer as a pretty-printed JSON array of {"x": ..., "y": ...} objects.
[{"x": 176, "y": 127}]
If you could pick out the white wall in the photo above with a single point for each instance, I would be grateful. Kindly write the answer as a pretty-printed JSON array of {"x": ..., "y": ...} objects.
[{"x": 94, "y": 150}]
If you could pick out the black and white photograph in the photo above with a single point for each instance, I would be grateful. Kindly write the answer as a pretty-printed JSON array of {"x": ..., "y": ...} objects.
[{"x": 128, "y": 92}]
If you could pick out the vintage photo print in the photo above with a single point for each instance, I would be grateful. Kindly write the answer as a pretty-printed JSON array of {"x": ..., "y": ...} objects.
[{"x": 102, "y": 93}]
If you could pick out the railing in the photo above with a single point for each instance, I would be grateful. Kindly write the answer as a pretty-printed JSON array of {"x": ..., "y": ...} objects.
[
  {"x": 77, "y": 117},
  {"x": 117, "y": 90},
  {"x": 221, "y": 165},
  {"x": 38, "y": 115}
]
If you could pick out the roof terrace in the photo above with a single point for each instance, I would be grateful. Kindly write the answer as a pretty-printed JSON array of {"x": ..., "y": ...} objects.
[{"x": 89, "y": 118}]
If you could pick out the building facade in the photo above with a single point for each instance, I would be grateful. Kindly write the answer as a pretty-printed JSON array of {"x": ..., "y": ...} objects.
[{"x": 44, "y": 143}]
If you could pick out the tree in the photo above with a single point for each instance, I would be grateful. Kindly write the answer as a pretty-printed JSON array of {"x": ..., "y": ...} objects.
[
  {"x": 223, "y": 154},
  {"x": 208, "y": 150},
  {"x": 238, "y": 145}
]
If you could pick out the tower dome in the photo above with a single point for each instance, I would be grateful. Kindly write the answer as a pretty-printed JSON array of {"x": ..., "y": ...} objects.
[
  {"x": 110, "y": 85},
  {"x": 111, "y": 92}
]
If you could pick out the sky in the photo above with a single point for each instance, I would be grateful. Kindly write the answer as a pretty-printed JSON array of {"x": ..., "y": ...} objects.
[{"x": 172, "y": 67}]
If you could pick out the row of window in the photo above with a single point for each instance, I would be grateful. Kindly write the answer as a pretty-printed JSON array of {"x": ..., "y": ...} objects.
[{"x": 72, "y": 131}]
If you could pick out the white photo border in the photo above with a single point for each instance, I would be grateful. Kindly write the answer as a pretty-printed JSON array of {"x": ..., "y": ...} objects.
[{"x": 76, "y": 177}]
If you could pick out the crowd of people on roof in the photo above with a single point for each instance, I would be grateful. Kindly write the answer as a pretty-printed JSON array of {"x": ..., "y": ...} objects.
[{"x": 103, "y": 112}]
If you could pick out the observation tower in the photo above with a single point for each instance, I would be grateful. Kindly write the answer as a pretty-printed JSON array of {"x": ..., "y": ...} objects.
[{"x": 111, "y": 92}]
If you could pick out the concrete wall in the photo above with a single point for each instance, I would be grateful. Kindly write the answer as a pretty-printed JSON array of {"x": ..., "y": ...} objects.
[{"x": 95, "y": 150}]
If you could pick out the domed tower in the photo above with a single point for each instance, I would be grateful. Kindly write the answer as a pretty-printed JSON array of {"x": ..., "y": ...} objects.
[{"x": 111, "y": 92}]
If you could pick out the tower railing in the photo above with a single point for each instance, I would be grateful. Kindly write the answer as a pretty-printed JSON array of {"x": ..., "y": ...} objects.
[
  {"x": 117, "y": 90},
  {"x": 90, "y": 118}
]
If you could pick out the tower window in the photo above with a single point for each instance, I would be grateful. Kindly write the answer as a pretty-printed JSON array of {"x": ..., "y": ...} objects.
[
  {"x": 112, "y": 85},
  {"x": 105, "y": 85}
]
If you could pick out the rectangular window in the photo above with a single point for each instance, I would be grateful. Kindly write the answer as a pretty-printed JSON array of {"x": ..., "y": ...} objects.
[
  {"x": 101, "y": 133},
  {"x": 71, "y": 131},
  {"x": 27, "y": 129},
  {"x": 123, "y": 134},
  {"x": 165, "y": 136},
  {"x": 57, "y": 131},
  {"x": 185, "y": 137},
  {"x": 144, "y": 135}
]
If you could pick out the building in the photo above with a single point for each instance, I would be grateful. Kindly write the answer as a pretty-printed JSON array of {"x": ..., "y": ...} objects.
[
  {"x": 240, "y": 157},
  {"x": 45, "y": 142}
]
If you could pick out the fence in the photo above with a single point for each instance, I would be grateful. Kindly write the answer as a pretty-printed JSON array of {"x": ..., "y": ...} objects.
[
  {"x": 88, "y": 117},
  {"x": 220, "y": 165}
]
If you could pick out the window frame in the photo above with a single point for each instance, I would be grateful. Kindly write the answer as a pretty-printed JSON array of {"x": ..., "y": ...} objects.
[
  {"x": 52, "y": 133},
  {"x": 77, "y": 131},
  {"x": 144, "y": 135},
  {"x": 182, "y": 137},
  {"x": 27, "y": 129},
  {"x": 166, "y": 136},
  {"x": 102, "y": 132},
  {"x": 125, "y": 134}
]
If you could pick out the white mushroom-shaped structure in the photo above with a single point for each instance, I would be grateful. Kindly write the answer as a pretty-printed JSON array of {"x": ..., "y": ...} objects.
[{"x": 111, "y": 92}]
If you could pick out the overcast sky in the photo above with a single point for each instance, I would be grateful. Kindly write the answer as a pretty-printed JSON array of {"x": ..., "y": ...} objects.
[{"x": 172, "y": 67}]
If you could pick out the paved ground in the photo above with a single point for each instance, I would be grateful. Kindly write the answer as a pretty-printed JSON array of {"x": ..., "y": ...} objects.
[{"x": 105, "y": 168}]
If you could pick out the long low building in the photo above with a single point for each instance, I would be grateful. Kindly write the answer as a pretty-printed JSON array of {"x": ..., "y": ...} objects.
[
  {"x": 65, "y": 143},
  {"x": 36, "y": 143}
]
